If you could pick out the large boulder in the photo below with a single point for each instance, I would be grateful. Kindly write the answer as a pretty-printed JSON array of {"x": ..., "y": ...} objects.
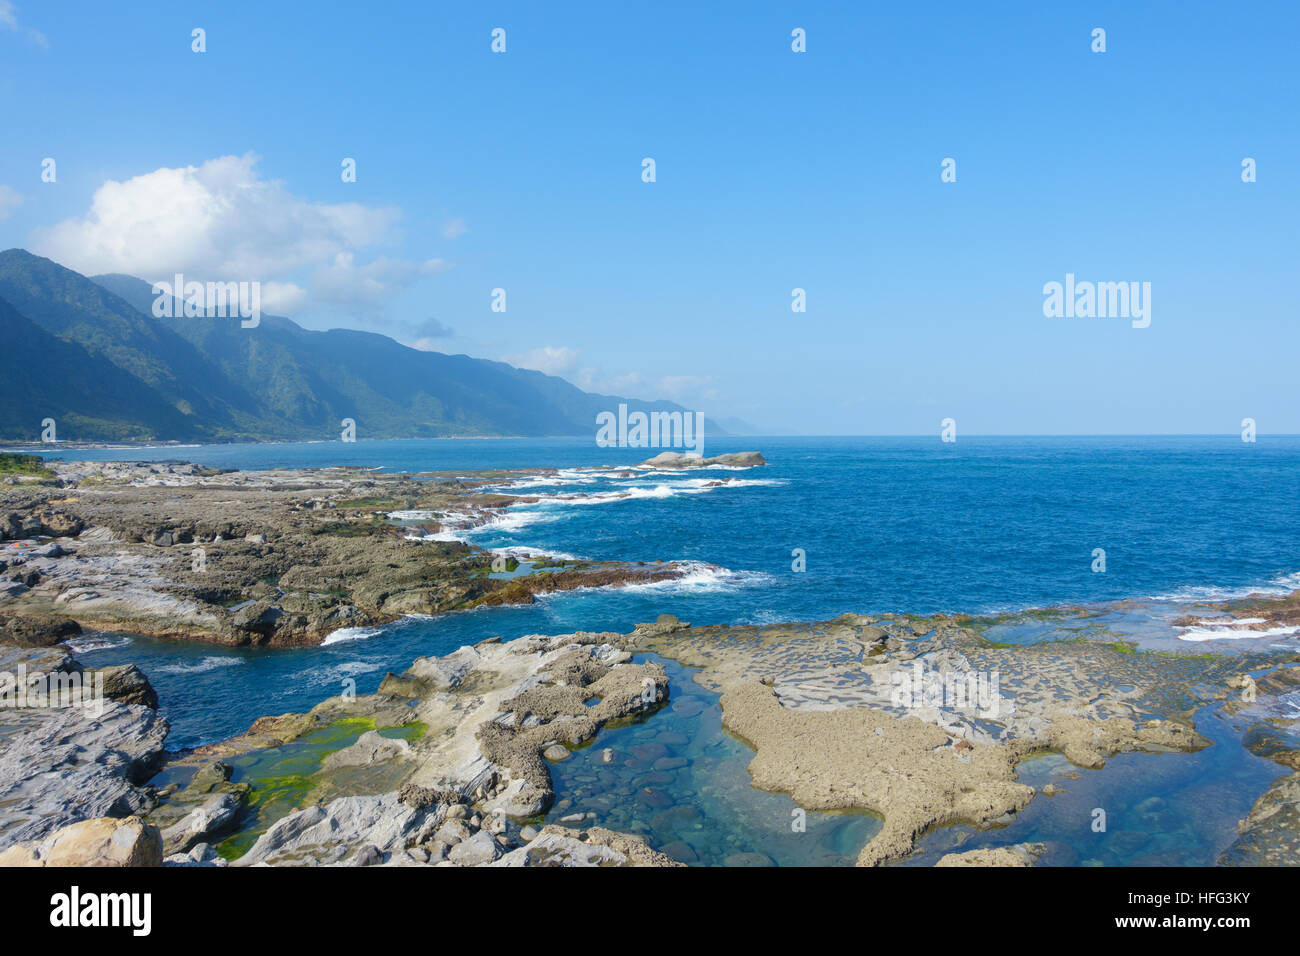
[
  {"x": 104, "y": 841},
  {"x": 126, "y": 684},
  {"x": 37, "y": 630}
]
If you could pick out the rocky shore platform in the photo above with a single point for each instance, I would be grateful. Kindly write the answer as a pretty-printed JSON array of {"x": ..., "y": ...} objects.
[
  {"x": 275, "y": 558},
  {"x": 449, "y": 763}
]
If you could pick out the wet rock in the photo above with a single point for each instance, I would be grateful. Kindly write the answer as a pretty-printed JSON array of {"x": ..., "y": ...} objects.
[
  {"x": 370, "y": 748},
  {"x": 1270, "y": 834},
  {"x": 37, "y": 630},
  {"x": 649, "y": 752},
  {"x": 688, "y": 707},
  {"x": 675, "y": 459},
  {"x": 681, "y": 851},
  {"x": 126, "y": 684},
  {"x": 655, "y": 799},
  {"x": 670, "y": 763},
  {"x": 748, "y": 859}
]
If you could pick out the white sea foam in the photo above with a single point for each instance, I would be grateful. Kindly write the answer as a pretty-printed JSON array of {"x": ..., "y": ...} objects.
[
  {"x": 207, "y": 664},
  {"x": 1278, "y": 587},
  {"x": 345, "y": 634},
  {"x": 701, "y": 577},
  {"x": 690, "y": 486},
  {"x": 521, "y": 551},
  {"x": 95, "y": 642},
  {"x": 1234, "y": 633},
  {"x": 341, "y": 672}
]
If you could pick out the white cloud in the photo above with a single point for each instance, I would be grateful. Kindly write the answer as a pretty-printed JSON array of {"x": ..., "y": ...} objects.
[
  {"x": 223, "y": 220},
  {"x": 9, "y": 21},
  {"x": 283, "y": 298},
  {"x": 345, "y": 283},
  {"x": 9, "y": 198},
  {"x": 454, "y": 229},
  {"x": 219, "y": 219},
  {"x": 549, "y": 359},
  {"x": 563, "y": 361}
]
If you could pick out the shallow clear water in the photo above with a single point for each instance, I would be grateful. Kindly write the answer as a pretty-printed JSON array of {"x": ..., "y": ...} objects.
[
  {"x": 679, "y": 780},
  {"x": 1160, "y": 809}
]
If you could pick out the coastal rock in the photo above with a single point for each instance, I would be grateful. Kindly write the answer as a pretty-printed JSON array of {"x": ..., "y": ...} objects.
[
  {"x": 214, "y": 815},
  {"x": 336, "y": 831},
  {"x": 675, "y": 459},
  {"x": 202, "y": 854},
  {"x": 559, "y": 846},
  {"x": 1021, "y": 854},
  {"x": 126, "y": 684},
  {"x": 443, "y": 673},
  {"x": 371, "y": 748},
  {"x": 37, "y": 630},
  {"x": 100, "y": 842},
  {"x": 479, "y": 849},
  {"x": 1270, "y": 834},
  {"x": 65, "y": 765},
  {"x": 663, "y": 624}
]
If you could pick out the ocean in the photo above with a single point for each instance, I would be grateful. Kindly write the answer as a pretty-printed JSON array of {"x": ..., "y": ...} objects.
[{"x": 982, "y": 525}]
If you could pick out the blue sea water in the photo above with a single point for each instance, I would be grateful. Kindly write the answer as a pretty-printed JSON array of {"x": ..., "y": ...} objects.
[{"x": 885, "y": 524}]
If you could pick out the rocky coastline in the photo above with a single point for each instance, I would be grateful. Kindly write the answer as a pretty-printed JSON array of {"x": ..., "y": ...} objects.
[
  {"x": 450, "y": 762},
  {"x": 277, "y": 558}
]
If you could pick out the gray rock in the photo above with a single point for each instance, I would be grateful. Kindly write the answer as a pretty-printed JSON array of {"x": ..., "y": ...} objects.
[
  {"x": 479, "y": 849},
  {"x": 332, "y": 833},
  {"x": 368, "y": 855},
  {"x": 372, "y": 747},
  {"x": 215, "y": 814},
  {"x": 452, "y": 832},
  {"x": 65, "y": 765}
]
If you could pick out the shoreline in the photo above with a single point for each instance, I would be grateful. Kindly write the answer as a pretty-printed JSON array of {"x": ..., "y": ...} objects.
[{"x": 812, "y": 701}]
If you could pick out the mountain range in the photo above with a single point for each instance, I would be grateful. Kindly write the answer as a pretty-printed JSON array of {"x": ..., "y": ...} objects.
[{"x": 90, "y": 354}]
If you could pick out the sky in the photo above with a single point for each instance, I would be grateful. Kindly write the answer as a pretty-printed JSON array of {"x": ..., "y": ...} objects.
[{"x": 774, "y": 170}]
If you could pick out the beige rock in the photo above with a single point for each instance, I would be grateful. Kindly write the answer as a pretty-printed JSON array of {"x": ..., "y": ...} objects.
[{"x": 104, "y": 841}]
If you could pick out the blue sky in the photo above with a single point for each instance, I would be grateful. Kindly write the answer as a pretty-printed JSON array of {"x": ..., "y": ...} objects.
[{"x": 775, "y": 170}]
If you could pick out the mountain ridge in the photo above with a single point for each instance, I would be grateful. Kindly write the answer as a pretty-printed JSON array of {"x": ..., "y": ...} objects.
[{"x": 276, "y": 381}]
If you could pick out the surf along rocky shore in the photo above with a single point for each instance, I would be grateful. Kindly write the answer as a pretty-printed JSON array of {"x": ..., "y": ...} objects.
[
  {"x": 921, "y": 722},
  {"x": 261, "y": 558}
]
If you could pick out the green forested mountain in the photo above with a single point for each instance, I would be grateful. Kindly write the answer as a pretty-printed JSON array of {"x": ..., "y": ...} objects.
[{"x": 94, "y": 349}]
